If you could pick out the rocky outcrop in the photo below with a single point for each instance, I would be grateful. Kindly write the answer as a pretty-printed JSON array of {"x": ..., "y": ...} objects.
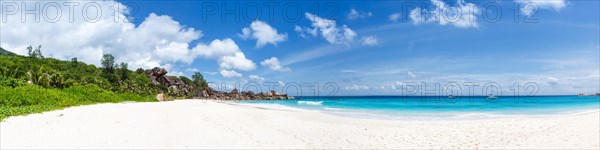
[
  {"x": 179, "y": 88},
  {"x": 244, "y": 95},
  {"x": 175, "y": 86},
  {"x": 162, "y": 97},
  {"x": 157, "y": 75}
]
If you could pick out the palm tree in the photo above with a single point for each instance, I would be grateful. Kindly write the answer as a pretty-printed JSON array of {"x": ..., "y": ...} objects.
[
  {"x": 38, "y": 78},
  {"x": 8, "y": 73},
  {"x": 57, "y": 81}
]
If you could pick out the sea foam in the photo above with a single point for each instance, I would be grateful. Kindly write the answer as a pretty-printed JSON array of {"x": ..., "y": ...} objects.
[{"x": 315, "y": 103}]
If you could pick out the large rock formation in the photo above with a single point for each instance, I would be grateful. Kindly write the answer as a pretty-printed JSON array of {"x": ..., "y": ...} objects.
[
  {"x": 157, "y": 75},
  {"x": 177, "y": 87}
]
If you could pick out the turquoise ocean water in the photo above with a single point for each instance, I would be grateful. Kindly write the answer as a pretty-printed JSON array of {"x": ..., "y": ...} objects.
[{"x": 403, "y": 107}]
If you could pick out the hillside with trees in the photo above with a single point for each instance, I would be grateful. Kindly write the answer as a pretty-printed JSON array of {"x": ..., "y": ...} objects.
[
  {"x": 33, "y": 83},
  {"x": 4, "y": 52}
]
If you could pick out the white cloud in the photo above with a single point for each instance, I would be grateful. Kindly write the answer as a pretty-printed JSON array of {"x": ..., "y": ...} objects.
[
  {"x": 171, "y": 70},
  {"x": 230, "y": 73},
  {"x": 357, "y": 87},
  {"x": 174, "y": 51},
  {"x": 228, "y": 55},
  {"x": 354, "y": 14},
  {"x": 274, "y": 64},
  {"x": 167, "y": 66},
  {"x": 217, "y": 48},
  {"x": 394, "y": 17},
  {"x": 348, "y": 71},
  {"x": 552, "y": 81},
  {"x": 281, "y": 83},
  {"x": 411, "y": 74},
  {"x": 263, "y": 33},
  {"x": 380, "y": 87},
  {"x": 330, "y": 31},
  {"x": 416, "y": 16},
  {"x": 370, "y": 40},
  {"x": 175, "y": 73},
  {"x": 156, "y": 41},
  {"x": 400, "y": 85},
  {"x": 527, "y": 6},
  {"x": 256, "y": 78},
  {"x": 211, "y": 73},
  {"x": 444, "y": 14},
  {"x": 246, "y": 33},
  {"x": 237, "y": 61},
  {"x": 192, "y": 70},
  {"x": 302, "y": 30}
]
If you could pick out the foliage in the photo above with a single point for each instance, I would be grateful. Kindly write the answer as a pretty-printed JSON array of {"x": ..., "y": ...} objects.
[
  {"x": 140, "y": 71},
  {"x": 28, "y": 99},
  {"x": 74, "y": 62},
  {"x": 50, "y": 77},
  {"x": 68, "y": 73},
  {"x": 37, "y": 53},
  {"x": 186, "y": 80},
  {"x": 108, "y": 63},
  {"x": 39, "y": 77},
  {"x": 123, "y": 72},
  {"x": 4, "y": 52},
  {"x": 58, "y": 81},
  {"x": 9, "y": 72},
  {"x": 32, "y": 84},
  {"x": 11, "y": 82},
  {"x": 111, "y": 77},
  {"x": 199, "y": 81}
]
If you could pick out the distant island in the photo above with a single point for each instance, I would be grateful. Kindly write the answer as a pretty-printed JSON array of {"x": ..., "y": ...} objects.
[
  {"x": 583, "y": 94},
  {"x": 33, "y": 84}
]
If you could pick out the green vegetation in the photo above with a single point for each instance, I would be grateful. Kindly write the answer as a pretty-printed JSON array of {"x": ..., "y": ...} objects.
[
  {"x": 27, "y": 99},
  {"x": 33, "y": 84},
  {"x": 37, "y": 53},
  {"x": 199, "y": 80},
  {"x": 6, "y": 53}
]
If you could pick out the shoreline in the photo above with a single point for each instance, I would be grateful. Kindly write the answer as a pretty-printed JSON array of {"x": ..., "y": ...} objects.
[
  {"x": 462, "y": 115},
  {"x": 189, "y": 124}
]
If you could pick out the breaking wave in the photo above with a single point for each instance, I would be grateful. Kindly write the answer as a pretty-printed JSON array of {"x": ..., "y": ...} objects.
[{"x": 314, "y": 103}]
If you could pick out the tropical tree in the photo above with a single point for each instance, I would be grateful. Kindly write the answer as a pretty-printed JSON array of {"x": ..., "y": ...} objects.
[
  {"x": 74, "y": 62},
  {"x": 30, "y": 52},
  {"x": 37, "y": 53},
  {"x": 199, "y": 81},
  {"x": 123, "y": 71},
  {"x": 108, "y": 63},
  {"x": 57, "y": 81},
  {"x": 38, "y": 77},
  {"x": 9, "y": 73},
  {"x": 140, "y": 71}
]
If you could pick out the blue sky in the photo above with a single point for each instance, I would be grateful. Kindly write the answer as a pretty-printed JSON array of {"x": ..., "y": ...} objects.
[{"x": 371, "y": 48}]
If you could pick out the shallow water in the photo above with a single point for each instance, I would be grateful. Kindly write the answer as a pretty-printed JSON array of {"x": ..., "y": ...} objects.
[{"x": 398, "y": 107}]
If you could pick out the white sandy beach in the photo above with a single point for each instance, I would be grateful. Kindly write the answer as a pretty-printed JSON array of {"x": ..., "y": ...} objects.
[{"x": 198, "y": 124}]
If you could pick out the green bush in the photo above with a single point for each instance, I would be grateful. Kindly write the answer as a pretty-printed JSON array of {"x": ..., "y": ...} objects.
[
  {"x": 28, "y": 99},
  {"x": 11, "y": 82}
]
